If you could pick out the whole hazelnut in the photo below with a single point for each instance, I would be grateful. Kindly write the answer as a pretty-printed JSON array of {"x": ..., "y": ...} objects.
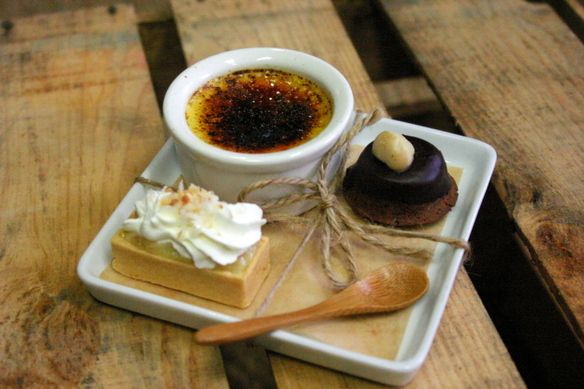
[{"x": 394, "y": 150}]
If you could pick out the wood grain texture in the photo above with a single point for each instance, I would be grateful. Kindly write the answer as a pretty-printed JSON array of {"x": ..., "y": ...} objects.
[
  {"x": 576, "y": 6},
  {"x": 511, "y": 74},
  {"x": 44, "y": 340},
  {"x": 78, "y": 122},
  {"x": 572, "y": 13},
  {"x": 407, "y": 96},
  {"x": 207, "y": 28},
  {"x": 146, "y": 10},
  {"x": 313, "y": 26}
]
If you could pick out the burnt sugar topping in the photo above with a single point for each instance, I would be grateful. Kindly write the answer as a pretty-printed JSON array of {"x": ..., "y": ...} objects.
[
  {"x": 421, "y": 193},
  {"x": 259, "y": 111}
]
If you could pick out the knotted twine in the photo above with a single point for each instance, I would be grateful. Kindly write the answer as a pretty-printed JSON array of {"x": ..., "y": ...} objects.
[{"x": 331, "y": 218}]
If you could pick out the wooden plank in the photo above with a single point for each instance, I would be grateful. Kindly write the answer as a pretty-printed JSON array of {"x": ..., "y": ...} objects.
[
  {"x": 314, "y": 27},
  {"x": 407, "y": 96},
  {"x": 378, "y": 46},
  {"x": 146, "y": 10},
  {"x": 78, "y": 121},
  {"x": 521, "y": 91},
  {"x": 163, "y": 53},
  {"x": 576, "y": 6},
  {"x": 208, "y": 28},
  {"x": 572, "y": 12}
]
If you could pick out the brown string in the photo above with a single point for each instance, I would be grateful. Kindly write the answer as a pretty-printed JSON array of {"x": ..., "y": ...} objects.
[
  {"x": 332, "y": 220},
  {"x": 287, "y": 269},
  {"x": 155, "y": 184}
]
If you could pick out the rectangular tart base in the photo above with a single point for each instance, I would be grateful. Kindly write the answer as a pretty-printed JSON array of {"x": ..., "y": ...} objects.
[{"x": 235, "y": 288}]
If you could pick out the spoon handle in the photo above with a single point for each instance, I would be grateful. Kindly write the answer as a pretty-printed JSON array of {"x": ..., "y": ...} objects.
[
  {"x": 240, "y": 330},
  {"x": 385, "y": 290}
]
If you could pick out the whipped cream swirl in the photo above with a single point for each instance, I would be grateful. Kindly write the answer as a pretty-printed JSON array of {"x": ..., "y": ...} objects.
[{"x": 198, "y": 225}]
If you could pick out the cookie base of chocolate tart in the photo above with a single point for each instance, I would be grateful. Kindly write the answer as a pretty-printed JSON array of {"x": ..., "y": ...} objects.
[{"x": 400, "y": 214}]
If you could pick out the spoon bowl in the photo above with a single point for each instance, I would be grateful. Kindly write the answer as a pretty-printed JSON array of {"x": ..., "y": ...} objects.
[{"x": 386, "y": 289}]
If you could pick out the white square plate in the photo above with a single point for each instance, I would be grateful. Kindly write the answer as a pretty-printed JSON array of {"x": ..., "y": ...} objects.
[{"x": 475, "y": 157}]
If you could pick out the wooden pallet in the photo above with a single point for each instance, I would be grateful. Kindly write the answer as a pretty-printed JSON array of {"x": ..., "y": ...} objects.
[{"x": 79, "y": 121}]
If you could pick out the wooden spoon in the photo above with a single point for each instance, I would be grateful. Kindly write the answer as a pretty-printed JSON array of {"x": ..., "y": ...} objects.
[{"x": 386, "y": 289}]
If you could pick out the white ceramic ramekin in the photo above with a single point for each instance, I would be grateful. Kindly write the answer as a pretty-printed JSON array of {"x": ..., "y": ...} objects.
[{"x": 227, "y": 172}]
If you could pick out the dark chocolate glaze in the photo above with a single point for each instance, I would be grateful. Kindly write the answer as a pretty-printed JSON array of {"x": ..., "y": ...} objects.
[{"x": 425, "y": 180}]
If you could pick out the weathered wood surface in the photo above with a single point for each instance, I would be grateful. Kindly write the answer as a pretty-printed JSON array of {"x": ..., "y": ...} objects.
[
  {"x": 511, "y": 74},
  {"x": 467, "y": 351},
  {"x": 146, "y": 10},
  {"x": 576, "y": 6},
  {"x": 572, "y": 12},
  {"x": 207, "y": 28},
  {"x": 407, "y": 96},
  {"x": 78, "y": 121}
]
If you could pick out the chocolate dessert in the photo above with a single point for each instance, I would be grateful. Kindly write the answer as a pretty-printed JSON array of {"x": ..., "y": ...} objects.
[{"x": 420, "y": 194}]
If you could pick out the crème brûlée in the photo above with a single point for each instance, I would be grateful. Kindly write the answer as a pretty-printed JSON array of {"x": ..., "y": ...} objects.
[{"x": 191, "y": 241}]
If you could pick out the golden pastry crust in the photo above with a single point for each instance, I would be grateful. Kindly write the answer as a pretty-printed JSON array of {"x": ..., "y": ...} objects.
[{"x": 235, "y": 288}]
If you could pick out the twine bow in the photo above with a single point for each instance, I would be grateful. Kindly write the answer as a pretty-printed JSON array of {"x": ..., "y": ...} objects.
[{"x": 331, "y": 218}]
